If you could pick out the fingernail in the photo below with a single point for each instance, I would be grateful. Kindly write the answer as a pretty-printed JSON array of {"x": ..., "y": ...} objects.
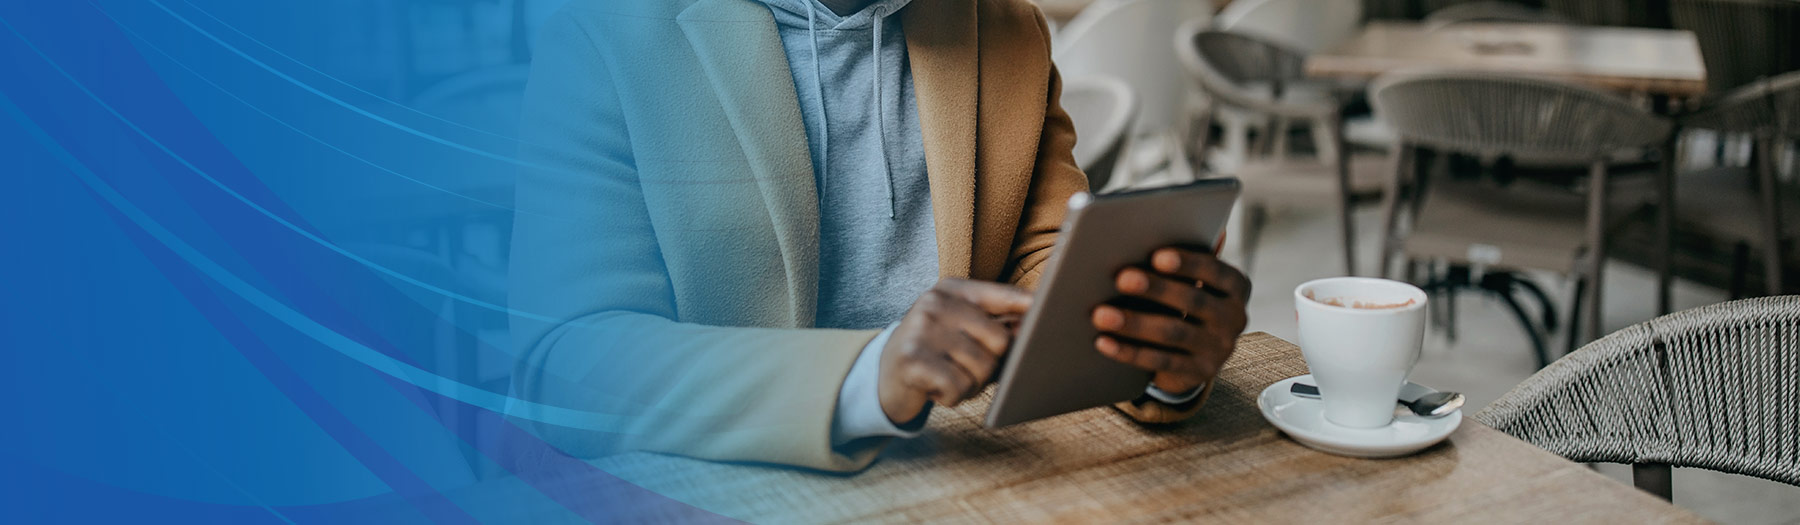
[
  {"x": 1166, "y": 260},
  {"x": 1107, "y": 345},
  {"x": 1133, "y": 281},
  {"x": 1108, "y": 318}
]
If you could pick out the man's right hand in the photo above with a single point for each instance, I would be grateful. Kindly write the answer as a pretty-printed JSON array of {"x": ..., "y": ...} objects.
[{"x": 948, "y": 346}]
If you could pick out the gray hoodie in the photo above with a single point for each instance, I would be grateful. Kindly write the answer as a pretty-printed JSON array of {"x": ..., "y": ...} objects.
[{"x": 877, "y": 243}]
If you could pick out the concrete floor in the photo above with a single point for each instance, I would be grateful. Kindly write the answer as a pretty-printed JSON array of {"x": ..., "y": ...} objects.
[{"x": 1491, "y": 353}]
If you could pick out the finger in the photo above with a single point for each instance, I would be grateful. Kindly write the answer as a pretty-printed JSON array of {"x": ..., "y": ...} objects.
[
  {"x": 943, "y": 382},
  {"x": 1202, "y": 267},
  {"x": 978, "y": 362},
  {"x": 1149, "y": 358},
  {"x": 1177, "y": 295},
  {"x": 993, "y": 298},
  {"x": 961, "y": 317},
  {"x": 990, "y": 333},
  {"x": 1156, "y": 329}
]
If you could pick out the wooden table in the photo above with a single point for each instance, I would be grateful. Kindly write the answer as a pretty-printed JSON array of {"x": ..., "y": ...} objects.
[
  {"x": 1651, "y": 61},
  {"x": 1227, "y": 465}
]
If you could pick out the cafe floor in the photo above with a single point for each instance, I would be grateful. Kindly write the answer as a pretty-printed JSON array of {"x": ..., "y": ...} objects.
[{"x": 1492, "y": 353}]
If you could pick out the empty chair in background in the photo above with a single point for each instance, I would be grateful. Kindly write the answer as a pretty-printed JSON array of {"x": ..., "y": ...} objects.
[
  {"x": 1102, "y": 109},
  {"x": 1743, "y": 41},
  {"x": 1308, "y": 26},
  {"x": 1525, "y": 224},
  {"x": 1739, "y": 205},
  {"x": 1633, "y": 13},
  {"x": 1248, "y": 75},
  {"x": 1491, "y": 11},
  {"x": 1129, "y": 39},
  {"x": 1670, "y": 392}
]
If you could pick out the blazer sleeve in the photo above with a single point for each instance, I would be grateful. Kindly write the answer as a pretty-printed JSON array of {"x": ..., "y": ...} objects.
[
  {"x": 1055, "y": 178},
  {"x": 604, "y": 365}
]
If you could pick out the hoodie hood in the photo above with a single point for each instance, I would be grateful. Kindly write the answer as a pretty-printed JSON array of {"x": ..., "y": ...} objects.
[
  {"x": 813, "y": 16},
  {"x": 852, "y": 78},
  {"x": 824, "y": 18}
]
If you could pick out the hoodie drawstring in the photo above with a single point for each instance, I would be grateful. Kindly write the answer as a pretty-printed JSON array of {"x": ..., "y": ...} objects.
[
  {"x": 812, "y": 34},
  {"x": 887, "y": 170}
]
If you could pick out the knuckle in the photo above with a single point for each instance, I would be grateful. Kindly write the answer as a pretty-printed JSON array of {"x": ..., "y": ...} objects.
[
  {"x": 914, "y": 349},
  {"x": 1175, "y": 331},
  {"x": 1195, "y": 300},
  {"x": 1155, "y": 361}
]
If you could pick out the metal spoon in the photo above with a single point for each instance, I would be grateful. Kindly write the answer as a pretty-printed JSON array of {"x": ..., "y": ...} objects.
[{"x": 1433, "y": 405}]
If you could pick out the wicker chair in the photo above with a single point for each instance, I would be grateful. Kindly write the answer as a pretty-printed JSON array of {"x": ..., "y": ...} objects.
[
  {"x": 1246, "y": 74},
  {"x": 1491, "y": 11},
  {"x": 1675, "y": 390},
  {"x": 1608, "y": 12},
  {"x": 1310, "y": 26},
  {"x": 1731, "y": 207},
  {"x": 1526, "y": 225},
  {"x": 1129, "y": 39},
  {"x": 1102, "y": 108},
  {"x": 1742, "y": 41}
]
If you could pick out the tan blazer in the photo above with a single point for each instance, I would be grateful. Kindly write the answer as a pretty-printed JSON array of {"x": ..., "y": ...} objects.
[{"x": 666, "y": 247}]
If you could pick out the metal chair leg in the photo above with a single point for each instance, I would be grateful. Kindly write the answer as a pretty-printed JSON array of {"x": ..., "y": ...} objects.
[
  {"x": 1740, "y": 267},
  {"x": 1458, "y": 277},
  {"x": 1255, "y": 217},
  {"x": 1575, "y": 316},
  {"x": 1655, "y": 478},
  {"x": 1665, "y": 226},
  {"x": 1596, "y": 245},
  {"x": 1549, "y": 310},
  {"x": 1342, "y": 149},
  {"x": 1771, "y": 211},
  {"x": 1390, "y": 209},
  {"x": 1531, "y": 331}
]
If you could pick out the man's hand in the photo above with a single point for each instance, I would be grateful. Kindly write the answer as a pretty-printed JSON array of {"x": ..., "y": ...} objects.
[
  {"x": 948, "y": 346},
  {"x": 1181, "y": 320}
]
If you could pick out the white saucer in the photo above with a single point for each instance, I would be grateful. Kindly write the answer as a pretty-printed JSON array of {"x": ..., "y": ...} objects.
[{"x": 1304, "y": 420}]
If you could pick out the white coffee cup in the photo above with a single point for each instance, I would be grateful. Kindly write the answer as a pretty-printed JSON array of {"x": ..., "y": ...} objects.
[{"x": 1360, "y": 356}]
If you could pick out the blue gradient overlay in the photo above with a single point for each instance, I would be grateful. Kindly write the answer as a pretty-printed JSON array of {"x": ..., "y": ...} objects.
[{"x": 255, "y": 259}]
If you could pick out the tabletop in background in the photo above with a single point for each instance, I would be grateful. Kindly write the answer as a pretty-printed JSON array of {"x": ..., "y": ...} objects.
[{"x": 1634, "y": 60}]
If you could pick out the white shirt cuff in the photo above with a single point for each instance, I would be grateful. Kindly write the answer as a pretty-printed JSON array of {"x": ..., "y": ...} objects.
[
  {"x": 859, "y": 413},
  {"x": 1169, "y": 398}
]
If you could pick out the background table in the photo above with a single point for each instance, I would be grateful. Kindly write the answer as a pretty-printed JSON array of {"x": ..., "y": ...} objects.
[
  {"x": 1097, "y": 466},
  {"x": 1651, "y": 61}
]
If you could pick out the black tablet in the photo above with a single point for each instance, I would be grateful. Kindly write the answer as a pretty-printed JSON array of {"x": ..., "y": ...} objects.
[{"x": 1052, "y": 367}]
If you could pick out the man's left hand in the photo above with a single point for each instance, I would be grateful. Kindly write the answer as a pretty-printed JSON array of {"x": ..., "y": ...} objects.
[{"x": 1181, "y": 318}]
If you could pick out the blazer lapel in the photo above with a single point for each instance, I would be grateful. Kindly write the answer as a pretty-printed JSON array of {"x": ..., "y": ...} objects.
[
  {"x": 740, "y": 50},
  {"x": 941, "y": 44}
]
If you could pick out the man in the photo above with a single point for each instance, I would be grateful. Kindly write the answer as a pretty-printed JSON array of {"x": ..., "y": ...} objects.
[{"x": 777, "y": 230}]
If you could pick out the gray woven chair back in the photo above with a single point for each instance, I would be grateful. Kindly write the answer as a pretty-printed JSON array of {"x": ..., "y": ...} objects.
[
  {"x": 1765, "y": 106},
  {"x": 1491, "y": 12},
  {"x": 1102, "y": 109},
  {"x": 1487, "y": 113},
  {"x": 1241, "y": 70},
  {"x": 1741, "y": 40},
  {"x": 1716, "y": 387},
  {"x": 1603, "y": 12}
]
